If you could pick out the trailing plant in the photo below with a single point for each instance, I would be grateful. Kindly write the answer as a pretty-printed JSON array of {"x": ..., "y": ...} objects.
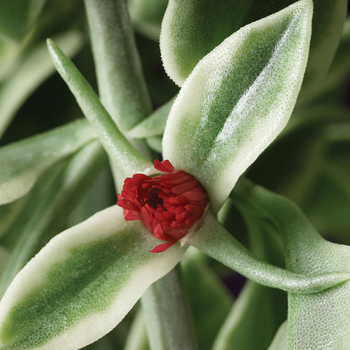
[{"x": 174, "y": 190}]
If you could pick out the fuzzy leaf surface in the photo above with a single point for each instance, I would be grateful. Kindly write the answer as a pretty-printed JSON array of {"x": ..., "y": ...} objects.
[
  {"x": 213, "y": 240},
  {"x": 24, "y": 161},
  {"x": 82, "y": 284},
  {"x": 316, "y": 320},
  {"x": 192, "y": 28},
  {"x": 238, "y": 99},
  {"x": 45, "y": 216},
  {"x": 258, "y": 310},
  {"x": 123, "y": 155}
]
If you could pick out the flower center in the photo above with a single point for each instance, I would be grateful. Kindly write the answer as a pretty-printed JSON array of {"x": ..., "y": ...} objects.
[
  {"x": 169, "y": 204},
  {"x": 153, "y": 199}
]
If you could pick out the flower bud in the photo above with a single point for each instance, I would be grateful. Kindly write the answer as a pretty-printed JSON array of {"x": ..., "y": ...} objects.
[{"x": 169, "y": 204}]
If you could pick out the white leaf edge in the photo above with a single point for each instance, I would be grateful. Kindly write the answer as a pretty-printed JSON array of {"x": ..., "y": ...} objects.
[
  {"x": 189, "y": 90},
  {"x": 99, "y": 324}
]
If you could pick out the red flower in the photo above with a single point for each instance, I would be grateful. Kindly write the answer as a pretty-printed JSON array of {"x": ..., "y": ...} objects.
[{"x": 168, "y": 204}]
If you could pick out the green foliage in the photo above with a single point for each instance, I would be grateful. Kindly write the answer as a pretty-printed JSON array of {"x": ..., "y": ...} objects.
[
  {"x": 91, "y": 271},
  {"x": 264, "y": 96},
  {"x": 238, "y": 99},
  {"x": 24, "y": 161},
  {"x": 191, "y": 29},
  {"x": 18, "y": 16}
]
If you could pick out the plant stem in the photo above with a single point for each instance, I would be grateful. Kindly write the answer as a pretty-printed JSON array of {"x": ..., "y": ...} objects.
[
  {"x": 121, "y": 83},
  {"x": 168, "y": 322}
]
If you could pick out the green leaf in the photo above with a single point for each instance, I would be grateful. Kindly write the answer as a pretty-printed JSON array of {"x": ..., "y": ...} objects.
[
  {"x": 315, "y": 320},
  {"x": 18, "y": 16},
  {"x": 82, "y": 284},
  {"x": 280, "y": 342},
  {"x": 9, "y": 213},
  {"x": 338, "y": 72},
  {"x": 36, "y": 67},
  {"x": 210, "y": 302},
  {"x": 192, "y": 28},
  {"x": 48, "y": 217},
  {"x": 8, "y": 53},
  {"x": 137, "y": 337},
  {"x": 154, "y": 124},
  {"x": 238, "y": 99},
  {"x": 147, "y": 16},
  {"x": 99, "y": 196},
  {"x": 124, "y": 156},
  {"x": 155, "y": 143},
  {"x": 327, "y": 26},
  {"x": 328, "y": 203},
  {"x": 250, "y": 315},
  {"x": 31, "y": 201},
  {"x": 258, "y": 310},
  {"x": 121, "y": 84},
  {"x": 4, "y": 256},
  {"x": 24, "y": 161},
  {"x": 213, "y": 240}
]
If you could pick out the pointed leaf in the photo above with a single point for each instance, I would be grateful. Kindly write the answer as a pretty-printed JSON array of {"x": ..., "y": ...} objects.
[
  {"x": 238, "y": 99},
  {"x": 123, "y": 155},
  {"x": 82, "y": 284},
  {"x": 192, "y": 28},
  {"x": 36, "y": 66},
  {"x": 22, "y": 162}
]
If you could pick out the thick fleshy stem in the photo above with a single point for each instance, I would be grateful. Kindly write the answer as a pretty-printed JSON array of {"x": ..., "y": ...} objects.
[{"x": 168, "y": 322}]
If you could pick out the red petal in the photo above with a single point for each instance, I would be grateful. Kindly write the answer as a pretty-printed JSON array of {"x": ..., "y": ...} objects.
[
  {"x": 168, "y": 216},
  {"x": 191, "y": 220},
  {"x": 185, "y": 187},
  {"x": 158, "y": 233},
  {"x": 179, "y": 179},
  {"x": 130, "y": 215},
  {"x": 164, "y": 166},
  {"x": 194, "y": 209},
  {"x": 195, "y": 195},
  {"x": 179, "y": 209},
  {"x": 162, "y": 247},
  {"x": 145, "y": 219}
]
